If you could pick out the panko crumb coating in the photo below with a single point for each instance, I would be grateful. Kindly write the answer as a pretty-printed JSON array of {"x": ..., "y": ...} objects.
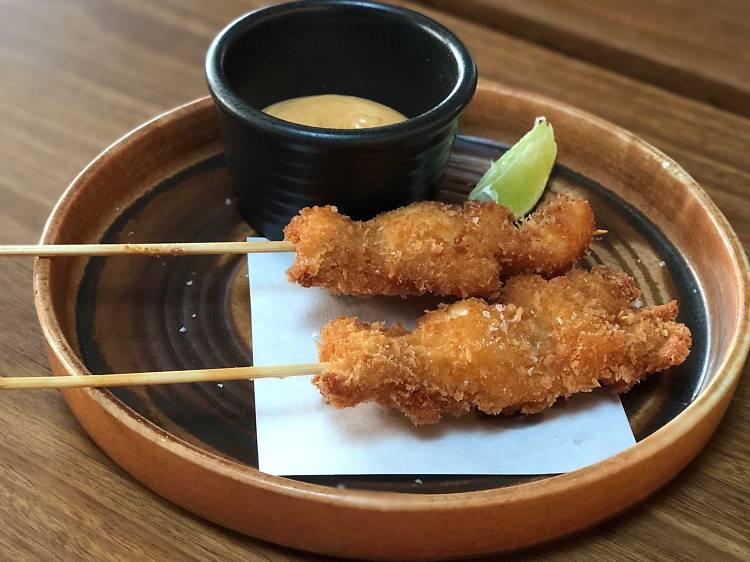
[
  {"x": 431, "y": 247},
  {"x": 543, "y": 340}
]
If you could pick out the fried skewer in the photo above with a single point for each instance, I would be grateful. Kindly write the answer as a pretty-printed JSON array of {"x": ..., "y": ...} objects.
[
  {"x": 430, "y": 247},
  {"x": 542, "y": 341}
]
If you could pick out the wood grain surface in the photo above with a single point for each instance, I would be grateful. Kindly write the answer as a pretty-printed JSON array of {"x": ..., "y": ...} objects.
[
  {"x": 78, "y": 74},
  {"x": 698, "y": 49}
]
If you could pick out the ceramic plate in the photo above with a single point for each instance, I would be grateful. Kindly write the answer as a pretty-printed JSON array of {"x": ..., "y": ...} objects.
[{"x": 195, "y": 444}]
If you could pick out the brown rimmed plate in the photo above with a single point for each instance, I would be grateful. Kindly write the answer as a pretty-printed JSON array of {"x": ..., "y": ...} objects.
[{"x": 195, "y": 444}]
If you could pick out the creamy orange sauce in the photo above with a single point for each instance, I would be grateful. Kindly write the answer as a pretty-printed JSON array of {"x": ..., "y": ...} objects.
[{"x": 335, "y": 112}]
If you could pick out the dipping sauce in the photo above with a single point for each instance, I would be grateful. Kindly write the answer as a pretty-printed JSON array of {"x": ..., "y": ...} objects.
[{"x": 335, "y": 112}]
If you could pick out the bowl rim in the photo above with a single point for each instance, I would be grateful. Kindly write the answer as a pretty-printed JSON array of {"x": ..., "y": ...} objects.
[
  {"x": 444, "y": 112},
  {"x": 721, "y": 386}
]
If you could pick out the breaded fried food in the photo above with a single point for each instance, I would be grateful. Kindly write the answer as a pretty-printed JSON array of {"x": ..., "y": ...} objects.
[
  {"x": 430, "y": 247},
  {"x": 544, "y": 340}
]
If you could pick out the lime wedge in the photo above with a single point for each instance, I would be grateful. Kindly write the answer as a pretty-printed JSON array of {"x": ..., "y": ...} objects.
[{"x": 517, "y": 179}]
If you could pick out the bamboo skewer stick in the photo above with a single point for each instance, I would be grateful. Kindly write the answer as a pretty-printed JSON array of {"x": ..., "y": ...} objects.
[
  {"x": 161, "y": 377},
  {"x": 161, "y": 249}
]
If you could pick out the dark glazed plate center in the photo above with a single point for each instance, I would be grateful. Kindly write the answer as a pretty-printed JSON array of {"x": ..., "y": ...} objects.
[{"x": 139, "y": 313}]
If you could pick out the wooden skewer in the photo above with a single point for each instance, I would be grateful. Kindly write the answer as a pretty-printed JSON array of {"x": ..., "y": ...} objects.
[
  {"x": 160, "y": 249},
  {"x": 162, "y": 377},
  {"x": 189, "y": 248}
]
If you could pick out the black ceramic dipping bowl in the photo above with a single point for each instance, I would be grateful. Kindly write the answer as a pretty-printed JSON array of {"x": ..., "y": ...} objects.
[{"x": 384, "y": 53}]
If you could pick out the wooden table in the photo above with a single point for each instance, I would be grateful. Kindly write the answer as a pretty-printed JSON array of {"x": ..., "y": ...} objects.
[{"x": 78, "y": 74}]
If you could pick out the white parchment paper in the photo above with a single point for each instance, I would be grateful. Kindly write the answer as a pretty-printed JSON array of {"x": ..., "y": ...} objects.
[{"x": 299, "y": 434}]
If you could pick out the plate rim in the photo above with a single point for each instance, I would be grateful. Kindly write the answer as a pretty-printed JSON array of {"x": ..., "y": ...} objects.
[{"x": 714, "y": 396}]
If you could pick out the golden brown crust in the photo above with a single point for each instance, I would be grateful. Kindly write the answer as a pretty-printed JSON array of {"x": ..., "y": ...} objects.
[
  {"x": 552, "y": 238},
  {"x": 545, "y": 340},
  {"x": 431, "y": 247}
]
